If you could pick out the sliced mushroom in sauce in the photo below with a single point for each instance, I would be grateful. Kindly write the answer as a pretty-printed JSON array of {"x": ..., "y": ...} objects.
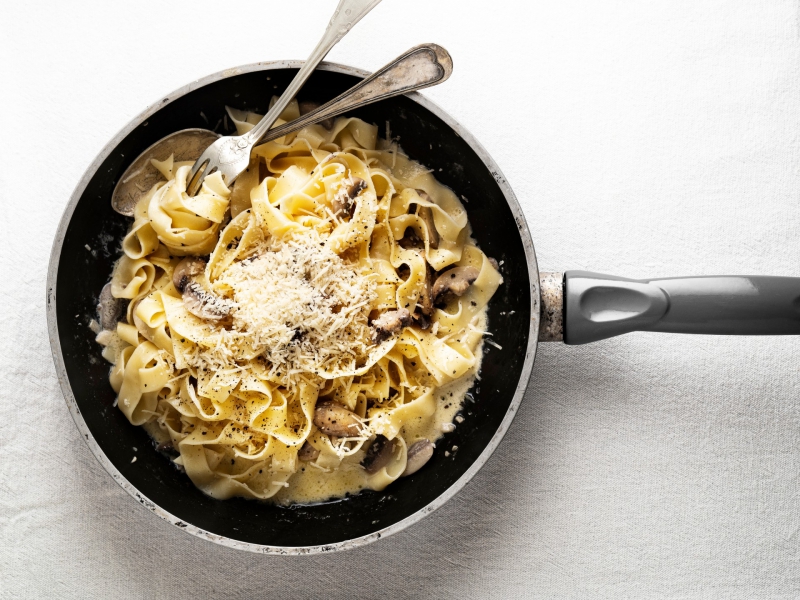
[
  {"x": 344, "y": 202},
  {"x": 204, "y": 304},
  {"x": 308, "y": 453},
  {"x": 421, "y": 320},
  {"x": 378, "y": 454},
  {"x": 453, "y": 282},
  {"x": 197, "y": 299},
  {"x": 410, "y": 240},
  {"x": 389, "y": 323},
  {"x": 110, "y": 309},
  {"x": 419, "y": 453},
  {"x": 424, "y": 310},
  {"x": 187, "y": 270},
  {"x": 334, "y": 419},
  {"x": 426, "y": 214}
]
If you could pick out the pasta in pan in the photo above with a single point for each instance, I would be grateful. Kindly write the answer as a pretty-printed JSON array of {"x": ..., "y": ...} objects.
[{"x": 299, "y": 336}]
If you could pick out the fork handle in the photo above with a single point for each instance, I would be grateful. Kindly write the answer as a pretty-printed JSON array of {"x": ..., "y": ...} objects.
[
  {"x": 420, "y": 67},
  {"x": 348, "y": 13}
]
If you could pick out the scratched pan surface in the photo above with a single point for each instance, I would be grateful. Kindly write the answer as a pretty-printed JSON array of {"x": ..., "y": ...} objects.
[{"x": 77, "y": 274}]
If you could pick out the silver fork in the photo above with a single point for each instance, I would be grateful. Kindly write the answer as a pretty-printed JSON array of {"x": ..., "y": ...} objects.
[{"x": 230, "y": 155}]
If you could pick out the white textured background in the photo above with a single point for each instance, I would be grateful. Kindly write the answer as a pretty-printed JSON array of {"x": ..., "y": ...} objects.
[{"x": 643, "y": 139}]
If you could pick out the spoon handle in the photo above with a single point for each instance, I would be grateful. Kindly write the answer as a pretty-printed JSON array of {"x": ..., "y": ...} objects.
[
  {"x": 348, "y": 13},
  {"x": 418, "y": 68}
]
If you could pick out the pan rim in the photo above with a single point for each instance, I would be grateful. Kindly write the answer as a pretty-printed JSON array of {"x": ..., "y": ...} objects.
[{"x": 94, "y": 447}]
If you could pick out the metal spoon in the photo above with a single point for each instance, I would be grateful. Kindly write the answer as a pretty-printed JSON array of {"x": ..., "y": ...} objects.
[{"x": 415, "y": 69}]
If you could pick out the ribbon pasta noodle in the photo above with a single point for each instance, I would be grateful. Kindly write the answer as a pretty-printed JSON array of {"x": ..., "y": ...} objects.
[{"x": 311, "y": 287}]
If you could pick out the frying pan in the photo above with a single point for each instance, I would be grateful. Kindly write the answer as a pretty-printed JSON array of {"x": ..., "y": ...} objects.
[{"x": 576, "y": 307}]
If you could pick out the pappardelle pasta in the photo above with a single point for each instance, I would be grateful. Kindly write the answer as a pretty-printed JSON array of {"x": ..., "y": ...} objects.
[{"x": 311, "y": 331}]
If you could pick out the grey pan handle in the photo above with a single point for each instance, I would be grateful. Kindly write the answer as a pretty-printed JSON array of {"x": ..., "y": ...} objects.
[{"x": 583, "y": 307}]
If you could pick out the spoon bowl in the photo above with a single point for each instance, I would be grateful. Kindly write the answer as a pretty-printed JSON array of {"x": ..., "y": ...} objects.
[{"x": 141, "y": 175}]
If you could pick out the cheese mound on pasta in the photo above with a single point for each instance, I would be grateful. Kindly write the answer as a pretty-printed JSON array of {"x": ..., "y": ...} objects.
[{"x": 328, "y": 230}]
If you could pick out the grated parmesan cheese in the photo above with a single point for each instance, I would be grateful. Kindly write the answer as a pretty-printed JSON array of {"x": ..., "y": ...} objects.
[{"x": 298, "y": 305}]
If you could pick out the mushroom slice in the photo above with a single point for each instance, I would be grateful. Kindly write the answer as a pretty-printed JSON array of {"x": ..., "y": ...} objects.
[
  {"x": 424, "y": 310},
  {"x": 389, "y": 323},
  {"x": 308, "y": 453},
  {"x": 410, "y": 240},
  {"x": 418, "y": 454},
  {"x": 344, "y": 202},
  {"x": 336, "y": 420},
  {"x": 454, "y": 282},
  {"x": 426, "y": 214},
  {"x": 379, "y": 454},
  {"x": 186, "y": 270},
  {"x": 204, "y": 304},
  {"x": 197, "y": 300},
  {"x": 421, "y": 320},
  {"x": 110, "y": 309},
  {"x": 307, "y": 106},
  {"x": 356, "y": 186},
  {"x": 426, "y": 297}
]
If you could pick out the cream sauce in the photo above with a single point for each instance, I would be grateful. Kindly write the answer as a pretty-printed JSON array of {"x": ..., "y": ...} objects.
[{"x": 311, "y": 484}]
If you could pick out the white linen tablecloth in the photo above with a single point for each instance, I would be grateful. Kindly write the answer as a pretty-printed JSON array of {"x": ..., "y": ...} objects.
[{"x": 643, "y": 139}]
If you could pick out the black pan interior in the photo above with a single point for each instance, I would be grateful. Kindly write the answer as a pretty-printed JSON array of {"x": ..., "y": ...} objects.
[{"x": 91, "y": 246}]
